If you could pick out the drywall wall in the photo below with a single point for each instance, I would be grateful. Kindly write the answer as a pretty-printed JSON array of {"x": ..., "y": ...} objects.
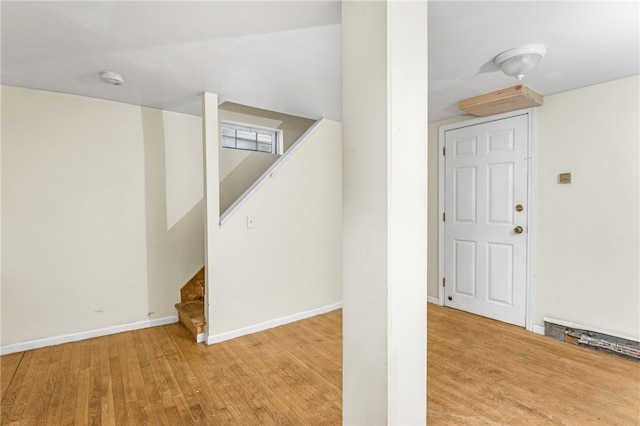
[
  {"x": 365, "y": 372},
  {"x": 587, "y": 236},
  {"x": 94, "y": 234},
  {"x": 182, "y": 135},
  {"x": 384, "y": 104},
  {"x": 240, "y": 169},
  {"x": 211, "y": 161},
  {"x": 290, "y": 261},
  {"x": 174, "y": 206},
  {"x": 1, "y": 217}
]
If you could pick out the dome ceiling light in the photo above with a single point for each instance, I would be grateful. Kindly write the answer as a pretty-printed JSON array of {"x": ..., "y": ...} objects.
[{"x": 521, "y": 60}]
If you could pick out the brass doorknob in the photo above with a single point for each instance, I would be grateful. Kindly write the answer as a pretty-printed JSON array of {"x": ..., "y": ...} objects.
[{"x": 518, "y": 229}]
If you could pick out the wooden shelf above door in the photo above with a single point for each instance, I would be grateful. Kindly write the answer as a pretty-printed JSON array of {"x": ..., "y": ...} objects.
[{"x": 505, "y": 100}]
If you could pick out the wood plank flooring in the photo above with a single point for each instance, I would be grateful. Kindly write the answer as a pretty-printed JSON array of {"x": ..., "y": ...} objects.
[
  {"x": 479, "y": 372},
  {"x": 482, "y": 371}
]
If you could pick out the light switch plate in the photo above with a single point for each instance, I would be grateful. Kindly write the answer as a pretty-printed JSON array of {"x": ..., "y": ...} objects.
[
  {"x": 250, "y": 222},
  {"x": 564, "y": 178}
]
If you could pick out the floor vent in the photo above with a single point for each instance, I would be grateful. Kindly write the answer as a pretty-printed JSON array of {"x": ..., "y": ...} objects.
[{"x": 597, "y": 340}]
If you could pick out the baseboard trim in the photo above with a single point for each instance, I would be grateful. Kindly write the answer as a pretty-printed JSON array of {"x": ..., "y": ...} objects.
[
  {"x": 594, "y": 329},
  {"x": 228, "y": 335},
  {"x": 538, "y": 329},
  {"x": 433, "y": 300},
  {"x": 82, "y": 335}
]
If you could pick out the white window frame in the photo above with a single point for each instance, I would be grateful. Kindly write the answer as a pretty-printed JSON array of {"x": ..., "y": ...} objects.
[{"x": 277, "y": 134}]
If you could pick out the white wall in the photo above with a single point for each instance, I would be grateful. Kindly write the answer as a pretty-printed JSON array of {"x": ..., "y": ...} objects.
[
  {"x": 364, "y": 115},
  {"x": 587, "y": 238},
  {"x": 94, "y": 232},
  {"x": 384, "y": 104},
  {"x": 291, "y": 261}
]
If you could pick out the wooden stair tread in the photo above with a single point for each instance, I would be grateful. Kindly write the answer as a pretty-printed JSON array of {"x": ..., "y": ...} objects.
[
  {"x": 191, "y": 306},
  {"x": 194, "y": 310}
]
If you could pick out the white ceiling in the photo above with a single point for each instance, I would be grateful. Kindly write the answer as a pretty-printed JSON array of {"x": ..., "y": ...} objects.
[
  {"x": 285, "y": 56},
  {"x": 589, "y": 42}
]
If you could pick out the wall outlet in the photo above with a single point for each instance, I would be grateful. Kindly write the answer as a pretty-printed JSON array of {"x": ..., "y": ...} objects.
[{"x": 250, "y": 222}]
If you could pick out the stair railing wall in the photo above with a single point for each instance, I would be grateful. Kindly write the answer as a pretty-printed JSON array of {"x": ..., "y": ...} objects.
[{"x": 271, "y": 171}]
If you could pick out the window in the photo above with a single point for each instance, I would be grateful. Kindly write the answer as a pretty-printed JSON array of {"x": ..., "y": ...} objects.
[{"x": 250, "y": 138}]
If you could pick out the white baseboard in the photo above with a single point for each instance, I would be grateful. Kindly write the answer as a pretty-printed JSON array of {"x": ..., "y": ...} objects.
[
  {"x": 433, "y": 300},
  {"x": 228, "y": 335},
  {"x": 538, "y": 329},
  {"x": 74, "y": 337},
  {"x": 594, "y": 329}
]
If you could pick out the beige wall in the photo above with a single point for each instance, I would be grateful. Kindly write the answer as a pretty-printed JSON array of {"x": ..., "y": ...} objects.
[
  {"x": 586, "y": 234},
  {"x": 586, "y": 255},
  {"x": 174, "y": 207},
  {"x": 291, "y": 261},
  {"x": 240, "y": 169},
  {"x": 94, "y": 232}
]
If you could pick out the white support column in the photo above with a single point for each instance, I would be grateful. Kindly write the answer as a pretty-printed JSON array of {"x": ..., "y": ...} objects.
[
  {"x": 385, "y": 211},
  {"x": 211, "y": 192}
]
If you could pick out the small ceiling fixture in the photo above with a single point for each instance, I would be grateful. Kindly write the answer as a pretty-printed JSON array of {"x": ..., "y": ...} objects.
[
  {"x": 521, "y": 60},
  {"x": 111, "y": 77}
]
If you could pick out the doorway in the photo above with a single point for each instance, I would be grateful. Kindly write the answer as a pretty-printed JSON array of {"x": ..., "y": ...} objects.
[{"x": 485, "y": 203}]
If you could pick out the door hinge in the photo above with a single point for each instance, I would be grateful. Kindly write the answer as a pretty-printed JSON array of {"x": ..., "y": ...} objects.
[
  {"x": 444, "y": 217},
  {"x": 444, "y": 150},
  {"x": 444, "y": 282}
]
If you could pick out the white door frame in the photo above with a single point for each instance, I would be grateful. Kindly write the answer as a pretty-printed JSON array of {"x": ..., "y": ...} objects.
[{"x": 530, "y": 210}]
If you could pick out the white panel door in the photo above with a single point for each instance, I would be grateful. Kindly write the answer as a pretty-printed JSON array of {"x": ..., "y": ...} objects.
[{"x": 485, "y": 233}]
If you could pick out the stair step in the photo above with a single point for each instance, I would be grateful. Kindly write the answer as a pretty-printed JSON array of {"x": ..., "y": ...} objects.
[
  {"x": 193, "y": 290},
  {"x": 191, "y": 315}
]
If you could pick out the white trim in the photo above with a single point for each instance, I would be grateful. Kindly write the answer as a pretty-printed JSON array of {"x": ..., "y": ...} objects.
[
  {"x": 481, "y": 120},
  {"x": 530, "y": 187},
  {"x": 82, "y": 335},
  {"x": 250, "y": 329},
  {"x": 201, "y": 337},
  {"x": 441, "y": 206},
  {"x": 434, "y": 300},
  {"x": 570, "y": 324},
  {"x": 271, "y": 171},
  {"x": 538, "y": 329},
  {"x": 529, "y": 325}
]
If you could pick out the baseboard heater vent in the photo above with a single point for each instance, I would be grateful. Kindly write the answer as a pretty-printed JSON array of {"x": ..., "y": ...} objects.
[{"x": 616, "y": 345}]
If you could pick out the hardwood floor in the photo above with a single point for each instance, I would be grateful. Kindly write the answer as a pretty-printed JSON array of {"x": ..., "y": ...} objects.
[
  {"x": 482, "y": 371},
  {"x": 479, "y": 372}
]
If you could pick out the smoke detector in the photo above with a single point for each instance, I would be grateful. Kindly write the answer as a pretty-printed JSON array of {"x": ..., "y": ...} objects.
[{"x": 112, "y": 78}]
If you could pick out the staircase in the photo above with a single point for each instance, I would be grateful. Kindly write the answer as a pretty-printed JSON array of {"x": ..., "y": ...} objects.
[{"x": 191, "y": 306}]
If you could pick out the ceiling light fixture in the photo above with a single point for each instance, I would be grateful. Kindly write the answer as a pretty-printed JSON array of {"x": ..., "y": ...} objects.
[
  {"x": 111, "y": 77},
  {"x": 521, "y": 60}
]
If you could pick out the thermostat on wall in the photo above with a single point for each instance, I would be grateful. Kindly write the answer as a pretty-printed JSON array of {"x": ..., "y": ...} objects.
[{"x": 564, "y": 178}]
